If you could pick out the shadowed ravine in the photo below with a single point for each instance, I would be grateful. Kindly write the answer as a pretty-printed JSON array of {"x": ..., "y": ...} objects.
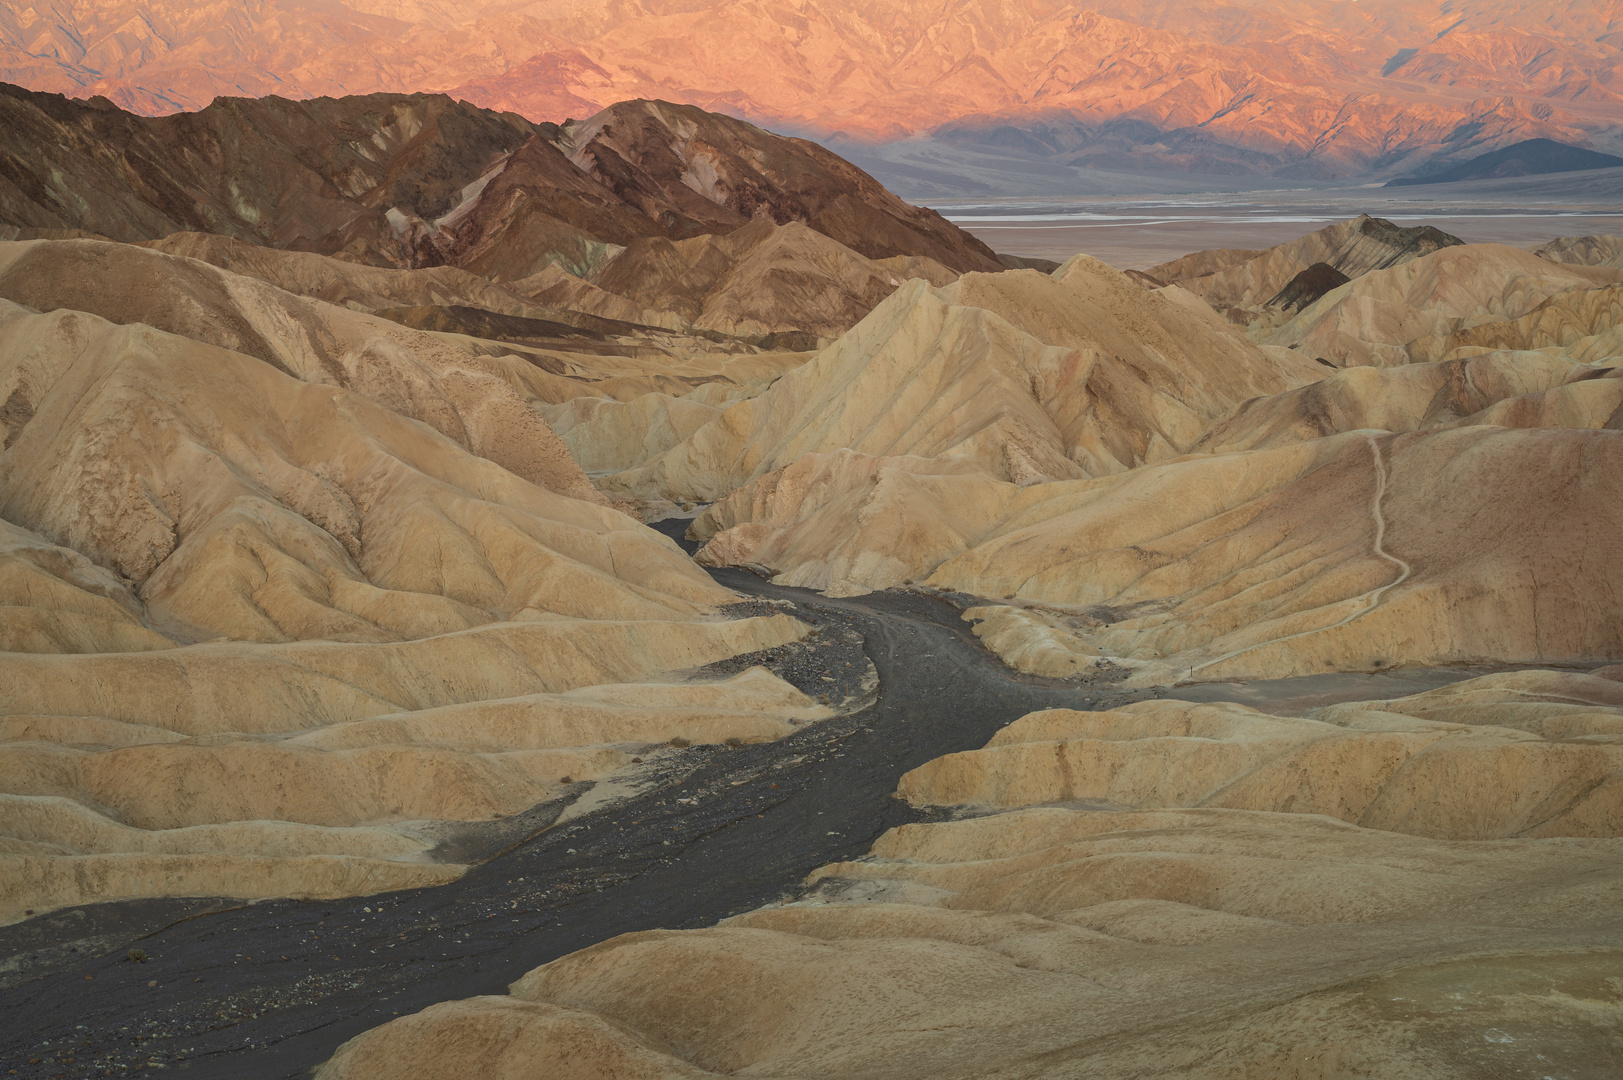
[{"x": 271, "y": 989}]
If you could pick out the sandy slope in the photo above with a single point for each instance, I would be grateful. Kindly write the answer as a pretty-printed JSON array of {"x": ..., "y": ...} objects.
[
  {"x": 1031, "y": 377},
  {"x": 277, "y": 590},
  {"x": 1344, "y": 522},
  {"x": 1344, "y": 553}
]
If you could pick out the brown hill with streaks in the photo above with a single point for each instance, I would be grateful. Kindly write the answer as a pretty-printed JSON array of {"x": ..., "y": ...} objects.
[{"x": 422, "y": 180}]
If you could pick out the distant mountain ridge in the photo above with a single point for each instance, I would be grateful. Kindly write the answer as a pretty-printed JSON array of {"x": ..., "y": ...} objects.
[
  {"x": 1314, "y": 89},
  {"x": 1534, "y": 157}
]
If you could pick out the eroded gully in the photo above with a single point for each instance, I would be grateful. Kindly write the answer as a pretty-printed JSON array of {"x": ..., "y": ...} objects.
[{"x": 270, "y": 989}]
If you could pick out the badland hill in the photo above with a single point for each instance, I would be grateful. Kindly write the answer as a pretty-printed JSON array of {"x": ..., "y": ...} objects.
[{"x": 328, "y": 434}]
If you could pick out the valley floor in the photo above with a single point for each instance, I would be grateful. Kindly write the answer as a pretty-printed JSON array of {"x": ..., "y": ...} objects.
[{"x": 1137, "y": 231}]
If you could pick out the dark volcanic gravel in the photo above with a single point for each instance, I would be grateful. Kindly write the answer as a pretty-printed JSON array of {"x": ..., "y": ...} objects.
[{"x": 270, "y": 989}]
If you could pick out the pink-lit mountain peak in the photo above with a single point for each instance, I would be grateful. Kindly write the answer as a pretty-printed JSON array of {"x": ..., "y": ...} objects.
[{"x": 1334, "y": 86}]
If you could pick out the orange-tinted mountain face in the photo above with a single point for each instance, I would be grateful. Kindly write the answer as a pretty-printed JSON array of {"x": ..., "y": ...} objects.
[{"x": 1328, "y": 89}]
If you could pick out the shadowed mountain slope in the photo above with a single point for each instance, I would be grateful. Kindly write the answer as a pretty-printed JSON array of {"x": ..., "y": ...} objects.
[
  {"x": 1534, "y": 157},
  {"x": 318, "y": 175},
  {"x": 719, "y": 173}
]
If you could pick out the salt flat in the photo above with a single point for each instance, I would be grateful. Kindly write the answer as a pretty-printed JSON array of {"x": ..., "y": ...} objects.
[{"x": 1138, "y": 229}]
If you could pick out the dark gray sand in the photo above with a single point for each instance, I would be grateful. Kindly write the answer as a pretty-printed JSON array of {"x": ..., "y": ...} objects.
[{"x": 270, "y": 989}]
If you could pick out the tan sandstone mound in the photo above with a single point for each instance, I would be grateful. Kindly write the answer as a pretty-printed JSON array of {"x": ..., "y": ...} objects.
[
  {"x": 53, "y": 599},
  {"x": 1563, "y": 321},
  {"x": 761, "y": 279},
  {"x": 263, "y": 610},
  {"x": 919, "y": 376},
  {"x": 557, "y": 288},
  {"x": 311, "y": 316},
  {"x": 1026, "y": 376},
  {"x": 1240, "y": 566},
  {"x": 1346, "y": 553},
  {"x": 348, "y": 284},
  {"x": 268, "y": 486},
  {"x": 478, "y": 401},
  {"x": 1492, "y": 388},
  {"x": 1436, "y": 765},
  {"x": 553, "y": 293},
  {"x": 847, "y": 523},
  {"x": 1583, "y": 250},
  {"x": 1350, "y": 552}
]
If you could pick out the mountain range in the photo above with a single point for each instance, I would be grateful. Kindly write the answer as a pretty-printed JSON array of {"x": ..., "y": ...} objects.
[{"x": 1316, "y": 90}]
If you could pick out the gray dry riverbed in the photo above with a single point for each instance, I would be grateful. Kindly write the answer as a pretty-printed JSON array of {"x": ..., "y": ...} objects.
[{"x": 270, "y": 989}]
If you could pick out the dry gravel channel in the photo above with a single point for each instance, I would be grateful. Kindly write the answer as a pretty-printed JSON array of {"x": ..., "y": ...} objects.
[{"x": 270, "y": 989}]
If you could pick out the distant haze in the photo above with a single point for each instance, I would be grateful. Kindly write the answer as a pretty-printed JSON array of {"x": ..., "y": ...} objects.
[{"x": 964, "y": 96}]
